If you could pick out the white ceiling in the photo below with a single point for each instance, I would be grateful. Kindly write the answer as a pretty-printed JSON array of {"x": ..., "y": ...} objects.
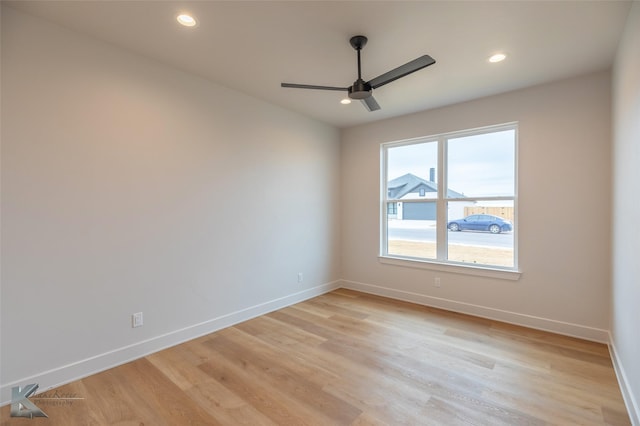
[{"x": 254, "y": 46}]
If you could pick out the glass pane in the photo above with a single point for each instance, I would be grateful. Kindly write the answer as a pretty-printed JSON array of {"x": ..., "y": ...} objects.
[
  {"x": 412, "y": 176},
  {"x": 481, "y": 165},
  {"x": 481, "y": 232},
  {"x": 412, "y": 171},
  {"x": 412, "y": 230}
]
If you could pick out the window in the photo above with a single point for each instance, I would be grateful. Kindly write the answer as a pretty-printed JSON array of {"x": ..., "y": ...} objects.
[{"x": 453, "y": 198}]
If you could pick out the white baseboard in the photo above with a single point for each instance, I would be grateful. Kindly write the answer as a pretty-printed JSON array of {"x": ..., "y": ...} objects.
[
  {"x": 625, "y": 387},
  {"x": 559, "y": 327},
  {"x": 86, "y": 367}
]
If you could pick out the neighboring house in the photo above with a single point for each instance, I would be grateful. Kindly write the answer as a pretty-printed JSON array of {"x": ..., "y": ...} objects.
[{"x": 412, "y": 187}]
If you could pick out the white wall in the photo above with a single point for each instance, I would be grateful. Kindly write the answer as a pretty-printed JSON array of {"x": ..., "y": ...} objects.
[
  {"x": 564, "y": 231},
  {"x": 129, "y": 186},
  {"x": 625, "y": 321}
]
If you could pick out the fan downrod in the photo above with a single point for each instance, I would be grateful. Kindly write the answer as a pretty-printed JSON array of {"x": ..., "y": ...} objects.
[{"x": 360, "y": 89}]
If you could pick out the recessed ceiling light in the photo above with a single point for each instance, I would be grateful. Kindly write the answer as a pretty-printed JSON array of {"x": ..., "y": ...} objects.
[
  {"x": 345, "y": 101},
  {"x": 186, "y": 20},
  {"x": 498, "y": 57}
]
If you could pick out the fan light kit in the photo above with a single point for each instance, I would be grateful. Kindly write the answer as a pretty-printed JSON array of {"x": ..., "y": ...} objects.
[
  {"x": 498, "y": 57},
  {"x": 186, "y": 20},
  {"x": 361, "y": 89}
]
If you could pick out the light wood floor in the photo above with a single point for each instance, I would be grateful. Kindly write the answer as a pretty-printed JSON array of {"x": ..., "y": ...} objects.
[{"x": 347, "y": 358}]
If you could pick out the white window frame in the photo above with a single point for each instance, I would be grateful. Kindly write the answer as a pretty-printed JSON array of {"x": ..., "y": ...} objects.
[{"x": 441, "y": 263}]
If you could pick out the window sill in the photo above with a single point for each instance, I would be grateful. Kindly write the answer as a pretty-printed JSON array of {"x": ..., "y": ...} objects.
[{"x": 478, "y": 271}]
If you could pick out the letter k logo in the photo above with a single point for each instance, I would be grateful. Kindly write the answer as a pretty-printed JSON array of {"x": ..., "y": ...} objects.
[{"x": 21, "y": 406}]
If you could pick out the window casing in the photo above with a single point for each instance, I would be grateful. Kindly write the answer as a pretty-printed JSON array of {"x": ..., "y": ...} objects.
[{"x": 435, "y": 182}]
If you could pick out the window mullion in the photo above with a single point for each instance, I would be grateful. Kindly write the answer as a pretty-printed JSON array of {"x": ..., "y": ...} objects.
[
  {"x": 441, "y": 204},
  {"x": 384, "y": 217}
]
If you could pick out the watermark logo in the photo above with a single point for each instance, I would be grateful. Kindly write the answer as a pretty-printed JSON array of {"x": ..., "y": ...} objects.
[{"x": 20, "y": 404}]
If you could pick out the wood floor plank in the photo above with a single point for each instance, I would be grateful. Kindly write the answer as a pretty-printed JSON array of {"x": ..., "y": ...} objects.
[
  {"x": 180, "y": 365},
  {"x": 148, "y": 397},
  {"x": 225, "y": 406},
  {"x": 349, "y": 358},
  {"x": 290, "y": 375},
  {"x": 285, "y": 336},
  {"x": 279, "y": 407},
  {"x": 387, "y": 398}
]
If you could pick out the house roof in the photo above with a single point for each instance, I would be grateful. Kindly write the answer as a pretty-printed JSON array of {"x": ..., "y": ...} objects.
[{"x": 410, "y": 183}]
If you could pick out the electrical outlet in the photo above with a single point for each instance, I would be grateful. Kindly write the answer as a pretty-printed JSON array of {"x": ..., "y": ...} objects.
[
  {"x": 436, "y": 282},
  {"x": 300, "y": 277},
  {"x": 136, "y": 320}
]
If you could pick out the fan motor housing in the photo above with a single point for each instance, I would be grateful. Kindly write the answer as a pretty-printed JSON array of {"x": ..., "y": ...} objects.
[{"x": 359, "y": 90}]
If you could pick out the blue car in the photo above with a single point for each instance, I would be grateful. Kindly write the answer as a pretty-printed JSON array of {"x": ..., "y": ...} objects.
[{"x": 481, "y": 222}]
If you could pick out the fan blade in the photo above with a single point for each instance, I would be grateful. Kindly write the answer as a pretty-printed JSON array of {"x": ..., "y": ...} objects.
[
  {"x": 370, "y": 103},
  {"x": 401, "y": 71},
  {"x": 309, "y": 86}
]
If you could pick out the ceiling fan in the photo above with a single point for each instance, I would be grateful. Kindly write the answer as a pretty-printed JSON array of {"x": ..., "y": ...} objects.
[{"x": 363, "y": 89}]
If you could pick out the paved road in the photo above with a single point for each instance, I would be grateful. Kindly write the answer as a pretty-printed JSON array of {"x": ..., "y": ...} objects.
[{"x": 418, "y": 230}]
